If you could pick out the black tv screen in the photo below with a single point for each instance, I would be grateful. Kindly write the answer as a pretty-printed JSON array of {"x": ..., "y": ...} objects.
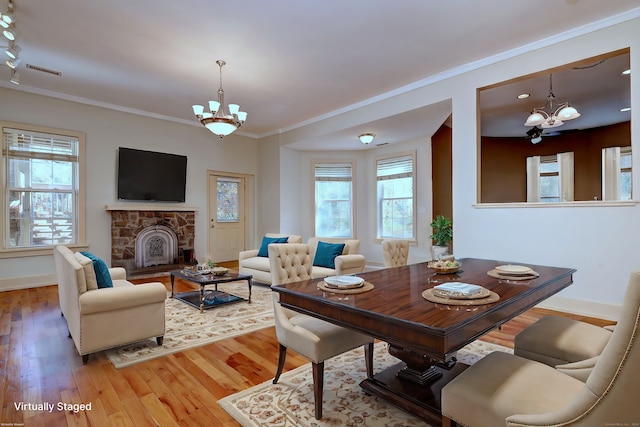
[{"x": 151, "y": 176}]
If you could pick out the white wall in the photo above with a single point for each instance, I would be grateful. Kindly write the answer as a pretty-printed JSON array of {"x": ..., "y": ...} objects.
[
  {"x": 599, "y": 241},
  {"x": 106, "y": 130}
]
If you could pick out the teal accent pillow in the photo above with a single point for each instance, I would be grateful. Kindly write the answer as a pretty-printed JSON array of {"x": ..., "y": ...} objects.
[
  {"x": 102, "y": 271},
  {"x": 266, "y": 241},
  {"x": 326, "y": 254}
]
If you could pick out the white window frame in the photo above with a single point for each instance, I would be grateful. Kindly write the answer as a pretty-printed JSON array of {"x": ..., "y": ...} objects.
[
  {"x": 565, "y": 176},
  {"x": 409, "y": 156},
  {"x": 80, "y": 215},
  {"x": 352, "y": 205}
]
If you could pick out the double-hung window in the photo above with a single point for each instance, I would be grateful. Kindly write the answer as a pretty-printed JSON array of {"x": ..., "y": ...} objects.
[
  {"x": 550, "y": 178},
  {"x": 396, "y": 196},
  {"x": 334, "y": 211},
  {"x": 41, "y": 192}
]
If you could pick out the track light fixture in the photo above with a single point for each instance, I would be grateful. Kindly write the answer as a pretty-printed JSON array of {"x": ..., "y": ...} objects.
[
  {"x": 535, "y": 134},
  {"x": 15, "y": 77},
  {"x": 8, "y": 17},
  {"x": 13, "y": 50}
]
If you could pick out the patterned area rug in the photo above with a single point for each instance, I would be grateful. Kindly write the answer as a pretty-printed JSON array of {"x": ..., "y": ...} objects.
[
  {"x": 186, "y": 327},
  {"x": 290, "y": 402}
]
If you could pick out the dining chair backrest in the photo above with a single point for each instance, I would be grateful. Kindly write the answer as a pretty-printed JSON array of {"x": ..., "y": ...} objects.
[{"x": 395, "y": 252}]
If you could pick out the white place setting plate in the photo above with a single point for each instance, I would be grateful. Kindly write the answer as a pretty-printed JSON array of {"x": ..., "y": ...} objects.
[
  {"x": 513, "y": 270},
  {"x": 344, "y": 282}
]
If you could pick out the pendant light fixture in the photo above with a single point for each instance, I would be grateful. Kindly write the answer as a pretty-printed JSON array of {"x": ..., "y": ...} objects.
[
  {"x": 219, "y": 119},
  {"x": 556, "y": 115}
]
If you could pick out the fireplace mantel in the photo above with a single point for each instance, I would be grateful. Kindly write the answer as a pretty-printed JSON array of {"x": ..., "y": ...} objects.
[{"x": 150, "y": 207}]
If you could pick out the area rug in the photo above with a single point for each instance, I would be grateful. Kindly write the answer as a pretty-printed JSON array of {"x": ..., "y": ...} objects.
[
  {"x": 186, "y": 327},
  {"x": 290, "y": 402}
]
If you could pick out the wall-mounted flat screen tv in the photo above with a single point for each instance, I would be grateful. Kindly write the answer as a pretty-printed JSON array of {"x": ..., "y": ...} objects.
[{"x": 151, "y": 176}]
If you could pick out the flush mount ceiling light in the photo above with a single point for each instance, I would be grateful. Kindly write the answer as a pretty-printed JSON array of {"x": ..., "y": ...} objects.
[
  {"x": 217, "y": 119},
  {"x": 366, "y": 138},
  {"x": 556, "y": 115}
]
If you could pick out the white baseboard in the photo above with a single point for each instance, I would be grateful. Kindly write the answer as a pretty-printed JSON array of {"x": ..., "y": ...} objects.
[
  {"x": 582, "y": 307},
  {"x": 15, "y": 283}
]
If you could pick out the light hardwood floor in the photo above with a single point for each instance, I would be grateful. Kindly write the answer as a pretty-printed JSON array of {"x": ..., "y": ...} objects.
[{"x": 38, "y": 364}]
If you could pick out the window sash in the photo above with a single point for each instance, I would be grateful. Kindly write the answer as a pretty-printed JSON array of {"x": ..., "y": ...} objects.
[
  {"x": 334, "y": 210},
  {"x": 40, "y": 213},
  {"x": 396, "y": 209}
]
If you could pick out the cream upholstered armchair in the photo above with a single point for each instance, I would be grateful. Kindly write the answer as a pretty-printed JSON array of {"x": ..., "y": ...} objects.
[
  {"x": 103, "y": 318},
  {"x": 504, "y": 389},
  {"x": 347, "y": 261},
  {"x": 313, "y": 338},
  {"x": 395, "y": 252}
]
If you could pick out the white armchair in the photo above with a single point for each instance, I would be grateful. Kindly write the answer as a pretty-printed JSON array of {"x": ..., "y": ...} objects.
[{"x": 350, "y": 261}]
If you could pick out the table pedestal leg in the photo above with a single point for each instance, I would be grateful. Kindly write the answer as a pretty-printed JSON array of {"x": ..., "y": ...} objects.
[{"x": 420, "y": 369}]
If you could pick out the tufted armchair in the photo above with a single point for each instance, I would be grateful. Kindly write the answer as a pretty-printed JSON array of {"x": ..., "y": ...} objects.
[
  {"x": 395, "y": 252},
  {"x": 258, "y": 266},
  {"x": 313, "y": 338},
  {"x": 507, "y": 389}
]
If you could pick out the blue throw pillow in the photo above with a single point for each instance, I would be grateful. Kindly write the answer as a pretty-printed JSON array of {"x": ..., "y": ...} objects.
[
  {"x": 102, "y": 271},
  {"x": 266, "y": 241},
  {"x": 326, "y": 254}
]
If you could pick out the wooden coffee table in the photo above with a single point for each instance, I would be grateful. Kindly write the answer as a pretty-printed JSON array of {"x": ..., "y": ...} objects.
[{"x": 219, "y": 298}]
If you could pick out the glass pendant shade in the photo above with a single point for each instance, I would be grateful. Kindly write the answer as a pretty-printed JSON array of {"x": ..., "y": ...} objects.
[
  {"x": 222, "y": 128},
  {"x": 568, "y": 113},
  {"x": 535, "y": 119}
]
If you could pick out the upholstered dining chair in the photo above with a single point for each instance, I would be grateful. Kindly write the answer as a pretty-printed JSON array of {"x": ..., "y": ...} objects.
[
  {"x": 395, "y": 252},
  {"x": 566, "y": 344},
  {"x": 313, "y": 338},
  {"x": 504, "y": 389}
]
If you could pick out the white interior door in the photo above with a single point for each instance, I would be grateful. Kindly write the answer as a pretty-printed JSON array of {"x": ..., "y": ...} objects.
[{"x": 226, "y": 217}]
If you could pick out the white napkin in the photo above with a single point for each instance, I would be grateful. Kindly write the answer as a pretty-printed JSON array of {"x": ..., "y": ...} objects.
[{"x": 459, "y": 287}]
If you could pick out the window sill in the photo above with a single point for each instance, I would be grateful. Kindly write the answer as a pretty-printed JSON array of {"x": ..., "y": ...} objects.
[
  {"x": 39, "y": 251},
  {"x": 586, "y": 203}
]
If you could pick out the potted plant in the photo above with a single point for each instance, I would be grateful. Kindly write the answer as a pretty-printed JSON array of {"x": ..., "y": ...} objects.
[{"x": 442, "y": 236}]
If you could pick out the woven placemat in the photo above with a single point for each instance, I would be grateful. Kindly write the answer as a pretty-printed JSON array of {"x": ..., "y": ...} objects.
[
  {"x": 364, "y": 288},
  {"x": 429, "y": 296},
  {"x": 496, "y": 275}
]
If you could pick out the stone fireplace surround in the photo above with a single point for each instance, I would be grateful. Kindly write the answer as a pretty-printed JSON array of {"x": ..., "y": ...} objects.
[{"x": 127, "y": 222}]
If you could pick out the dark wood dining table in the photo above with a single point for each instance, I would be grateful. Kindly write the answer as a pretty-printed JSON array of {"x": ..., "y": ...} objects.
[{"x": 424, "y": 335}]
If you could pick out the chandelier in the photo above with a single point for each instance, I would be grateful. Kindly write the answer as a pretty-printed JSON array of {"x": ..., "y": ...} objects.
[
  {"x": 556, "y": 115},
  {"x": 218, "y": 119}
]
